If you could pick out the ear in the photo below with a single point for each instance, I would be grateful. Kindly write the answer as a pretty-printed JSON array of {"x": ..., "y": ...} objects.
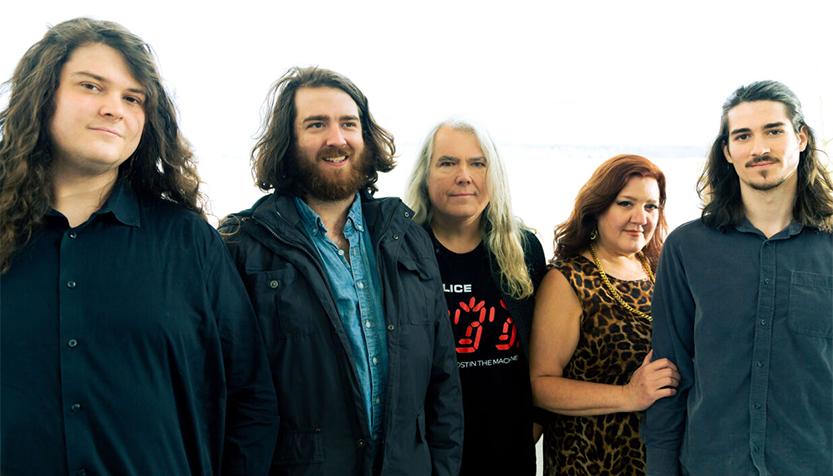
[
  {"x": 803, "y": 138},
  {"x": 726, "y": 153}
]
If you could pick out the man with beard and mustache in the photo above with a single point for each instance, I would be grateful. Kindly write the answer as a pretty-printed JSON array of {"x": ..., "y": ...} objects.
[
  {"x": 347, "y": 291},
  {"x": 743, "y": 303}
]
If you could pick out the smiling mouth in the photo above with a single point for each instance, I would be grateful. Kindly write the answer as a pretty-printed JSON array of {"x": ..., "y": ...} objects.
[
  {"x": 335, "y": 160},
  {"x": 106, "y": 131}
]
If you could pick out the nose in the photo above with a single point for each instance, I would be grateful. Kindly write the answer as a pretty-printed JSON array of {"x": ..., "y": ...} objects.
[
  {"x": 639, "y": 216},
  {"x": 335, "y": 137},
  {"x": 759, "y": 146},
  {"x": 112, "y": 106},
  {"x": 463, "y": 175}
]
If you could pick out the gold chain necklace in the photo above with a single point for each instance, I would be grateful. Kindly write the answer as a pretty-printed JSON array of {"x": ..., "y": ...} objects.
[{"x": 613, "y": 291}]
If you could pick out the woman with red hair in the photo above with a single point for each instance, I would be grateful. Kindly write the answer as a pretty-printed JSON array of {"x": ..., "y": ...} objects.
[{"x": 590, "y": 359}]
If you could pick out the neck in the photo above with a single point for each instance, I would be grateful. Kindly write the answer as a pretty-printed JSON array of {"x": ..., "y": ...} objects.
[
  {"x": 459, "y": 236},
  {"x": 769, "y": 210},
  {"x": 627, "y": 267},
  {"x": 78, "y": 197},
  {"x": 333, "y": 213}
]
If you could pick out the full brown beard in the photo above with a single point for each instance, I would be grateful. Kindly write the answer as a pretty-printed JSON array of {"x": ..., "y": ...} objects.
[{"x": 347, "y": 181}]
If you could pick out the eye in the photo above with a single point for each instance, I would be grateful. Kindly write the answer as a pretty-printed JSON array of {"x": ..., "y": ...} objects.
[
  {"x": 90, "y": 86},
  {"x": 445, "y": 163},
  {"x": 479, "y": 164},
  {"x": 775, "y": 132},
  {"x": 350, "y": 124},
  {"x": 651, "y": 207},
  {"x": 741, "y": 137},
  {"x": 624, "y": 203},
  {"x": 134, "y": 100},
  {"x": 315, "y": 125}
]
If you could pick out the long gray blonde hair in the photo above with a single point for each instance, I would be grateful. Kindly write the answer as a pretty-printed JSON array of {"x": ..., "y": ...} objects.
[{"x": 502, "y": 232}]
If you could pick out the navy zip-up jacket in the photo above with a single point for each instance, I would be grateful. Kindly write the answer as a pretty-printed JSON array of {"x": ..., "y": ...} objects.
[{"x": 323, "y": 423}]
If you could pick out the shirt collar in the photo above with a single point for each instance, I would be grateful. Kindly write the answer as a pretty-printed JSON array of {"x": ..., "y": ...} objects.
[
  {"x": 312, "y": 222},
  {"x": 122, "y": 204},
  {"x": 792, "y": 229}
]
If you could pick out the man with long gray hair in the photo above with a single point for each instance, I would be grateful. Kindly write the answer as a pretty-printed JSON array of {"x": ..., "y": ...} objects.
[{"x": 744, "y": 303}]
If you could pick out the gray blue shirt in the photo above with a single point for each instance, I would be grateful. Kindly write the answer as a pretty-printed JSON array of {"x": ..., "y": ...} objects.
[
  {"x": 748, "y": 320},
  {"x": 358, "y": 295}
]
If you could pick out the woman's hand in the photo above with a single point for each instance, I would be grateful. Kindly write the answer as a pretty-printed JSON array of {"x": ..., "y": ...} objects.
[{"x": 650, "y": 382}]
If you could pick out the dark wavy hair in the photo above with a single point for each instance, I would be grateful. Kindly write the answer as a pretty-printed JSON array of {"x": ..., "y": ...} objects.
[
  {"x": 272, "y": 166},
  {"x": 162, "y": 165},
  {"x": 573, "y": 236},
  {"x": 719, "y": 185}
]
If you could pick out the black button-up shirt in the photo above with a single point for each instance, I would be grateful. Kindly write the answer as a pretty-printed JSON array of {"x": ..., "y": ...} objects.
[
  {"x": 128, "y": 346},
  {"x": 749, "y": 322}
]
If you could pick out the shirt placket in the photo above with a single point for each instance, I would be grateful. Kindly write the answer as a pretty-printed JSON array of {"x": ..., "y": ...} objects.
[
  {"x": 370, "y": 326},
  {"x": 71, "y": 296},
  {"x": 761, "y": 355}
]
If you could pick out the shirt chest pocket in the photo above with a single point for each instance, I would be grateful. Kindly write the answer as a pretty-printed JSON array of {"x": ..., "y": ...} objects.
[
  {"x": 418, "y": 289},
  {"x": 284, "y": 302},
  {"x": 811, "y": 304}
]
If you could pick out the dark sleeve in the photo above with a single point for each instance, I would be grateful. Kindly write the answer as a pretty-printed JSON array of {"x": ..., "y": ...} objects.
[
  {"x": 673, "y": 311},
  {"x": 251, "y": 404},
  {"x": 444, "y": 399}
]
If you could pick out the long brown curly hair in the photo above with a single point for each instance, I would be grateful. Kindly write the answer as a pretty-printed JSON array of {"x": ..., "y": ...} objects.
[
  {"x": 573, "y": 236},
  {"x": 272, "y": 166},
  {"x": 162, "y": 165}
]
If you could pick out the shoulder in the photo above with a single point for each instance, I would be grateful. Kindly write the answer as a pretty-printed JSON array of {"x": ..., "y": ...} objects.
[{"x": 232, "y": 223}]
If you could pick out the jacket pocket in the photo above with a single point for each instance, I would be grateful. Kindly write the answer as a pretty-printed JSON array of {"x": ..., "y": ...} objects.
[
  {"x": 811, "y": 304},
  {"x": 416, "y": 285},
  {"x": 421, "y": 426},
  {"x": 299, "y": 447},
  {"x": 282, "y": 301}
]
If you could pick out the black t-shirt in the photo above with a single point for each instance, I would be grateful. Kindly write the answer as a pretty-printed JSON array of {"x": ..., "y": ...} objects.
[{"x": 497, "y": 399}]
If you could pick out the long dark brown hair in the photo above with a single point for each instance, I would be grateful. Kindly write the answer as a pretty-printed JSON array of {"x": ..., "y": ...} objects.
[
  {"x": 162, "y": 165},
  {"x": 595, "y": 197},
  {"x": 719, "y": 185},
  {"x": 272, "y": 166}
]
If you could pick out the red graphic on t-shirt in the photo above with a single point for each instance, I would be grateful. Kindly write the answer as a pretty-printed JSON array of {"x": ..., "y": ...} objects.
[
  {"x": 509, "y": 332},
  {"x": 475, "y": 313}
]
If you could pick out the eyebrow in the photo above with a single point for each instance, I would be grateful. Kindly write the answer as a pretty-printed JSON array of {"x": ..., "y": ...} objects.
[
  {"x": 634, "y": 199},
  {"x": 105, "y": 80},
  {"x": 323, "y": 118},
  {"x": 771, "y": 125}
]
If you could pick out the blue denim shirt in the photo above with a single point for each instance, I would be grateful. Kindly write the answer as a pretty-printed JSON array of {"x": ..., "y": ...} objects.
[
  {"x": 749, "y": 322},
  {"x": 358, "y": 295}
]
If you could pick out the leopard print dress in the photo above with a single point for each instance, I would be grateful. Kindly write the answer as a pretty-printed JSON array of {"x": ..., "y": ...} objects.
[{"x": 611, "y": 346}]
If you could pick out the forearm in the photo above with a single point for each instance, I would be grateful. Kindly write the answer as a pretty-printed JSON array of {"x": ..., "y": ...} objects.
[{"x": 577, "y": 398}]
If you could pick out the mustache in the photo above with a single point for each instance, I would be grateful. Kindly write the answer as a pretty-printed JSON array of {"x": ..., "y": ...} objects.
[
  {"x": 331, "y": 152},
  {"x": 761, "y": 159}
]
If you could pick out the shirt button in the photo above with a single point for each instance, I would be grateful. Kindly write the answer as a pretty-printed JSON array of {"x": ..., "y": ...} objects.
[
  {"x": 72, "y": 343},
  {"x": 757, "y": 406},
  {"x": 361, "y": 285},
  {"x": 341, "y": 252},
  {"x": 766, "y": 280},
  {"x": 395, "y": 237},
  {"x": 274, "y": 284},
  {"x": 407, "y": 215},
  {"x": 760, "y": 363},
  {"x": 81, "y": 472},
  {"x": 757, "y": 448},
  {"x": 71, "y": 284},
  {"x": 763, "y": 322},
  {"x": 375, "y": 360},
  {"x": 72, "y": 234},
  {"x": 367, "y": 324},
  {"x": 390, "y": 327},
  {"x": 375, "y": 437},
  {"x": 362, "y": 443},
  {"x": 378, "y": 400},
  {"x": 75, "y": 407}
]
